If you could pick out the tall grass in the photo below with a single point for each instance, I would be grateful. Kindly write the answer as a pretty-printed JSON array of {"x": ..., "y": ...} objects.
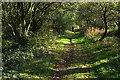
[{"x": 94, "y": 33}]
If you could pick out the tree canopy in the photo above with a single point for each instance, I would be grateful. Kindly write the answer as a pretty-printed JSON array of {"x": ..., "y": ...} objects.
[{"x": 65, "y": 40}]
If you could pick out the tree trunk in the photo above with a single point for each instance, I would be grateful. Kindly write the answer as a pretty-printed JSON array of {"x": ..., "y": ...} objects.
[
  {"x": 119, "y": 25},
  {"x": 118, "y": 31},
  {"x": 105, "y": 22}
]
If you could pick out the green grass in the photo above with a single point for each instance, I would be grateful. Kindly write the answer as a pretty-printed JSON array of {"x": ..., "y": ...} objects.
[
  {"x": 63, "y": 41},
  {"x": 103, "y": 58},
  {"x": 102, "y": 61},
  {"x": 89, "y": 60},
  {"x": 80, "y": 40}
]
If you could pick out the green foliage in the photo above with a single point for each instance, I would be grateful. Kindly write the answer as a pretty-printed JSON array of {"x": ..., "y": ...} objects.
[
  {"x": 101, "y": 57},
  {"x": 37, "y": 41},
  {"x": 36, "y": 47},
  {"x": 62, "y": 20},
  {"x": 94, "y": 33}
]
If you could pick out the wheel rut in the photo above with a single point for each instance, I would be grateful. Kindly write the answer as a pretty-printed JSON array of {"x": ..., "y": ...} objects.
[{"x": 66, "y": 61}]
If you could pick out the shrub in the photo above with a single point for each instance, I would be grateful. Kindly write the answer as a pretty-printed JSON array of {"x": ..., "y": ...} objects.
[
  {"x": 93, "y": 32},
  {"x": 36, "y": 46}
]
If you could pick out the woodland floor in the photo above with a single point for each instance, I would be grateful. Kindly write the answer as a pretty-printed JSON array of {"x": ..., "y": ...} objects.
[
  {"x": 70, "y": 58},
  {"x": 74, "y": 57}
]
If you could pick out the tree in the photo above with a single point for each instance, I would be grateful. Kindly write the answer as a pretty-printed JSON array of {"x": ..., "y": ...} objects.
[
  {"x": 115, "y": 13},
  {"x": 15, "y": 17},
  {"x": 103, "y": 6},
  {"x": 110, "y": 14},
  {"x": 98, "y": 14},
  {"x": 20, "y": 18}
]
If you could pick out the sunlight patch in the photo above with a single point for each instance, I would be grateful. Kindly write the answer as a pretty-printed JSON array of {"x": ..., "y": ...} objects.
[
  {"x": 101, "y": 61},
  {"x": 64, "y": 41},
  {"x": 80, "y": 76}
]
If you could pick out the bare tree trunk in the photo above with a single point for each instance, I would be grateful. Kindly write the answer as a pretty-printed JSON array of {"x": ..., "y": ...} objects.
[
  {"x": 118, "y": 31},
  {"x": 105, "y": 22}
]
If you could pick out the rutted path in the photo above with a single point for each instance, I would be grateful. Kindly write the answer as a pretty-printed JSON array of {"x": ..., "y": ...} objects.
[{"x": 67, "y": 60}]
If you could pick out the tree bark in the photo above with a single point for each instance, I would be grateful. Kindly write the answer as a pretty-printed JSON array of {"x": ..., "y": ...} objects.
[
  {"x": 105, "y": 22},
  {"x": 118, "y": 31}
]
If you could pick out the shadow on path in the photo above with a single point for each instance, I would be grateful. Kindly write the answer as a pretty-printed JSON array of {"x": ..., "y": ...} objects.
[{"x": 66, "y": 61}]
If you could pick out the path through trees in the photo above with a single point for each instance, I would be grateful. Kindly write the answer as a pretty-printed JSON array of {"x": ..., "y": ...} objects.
[{"x": 68, "y": 59}]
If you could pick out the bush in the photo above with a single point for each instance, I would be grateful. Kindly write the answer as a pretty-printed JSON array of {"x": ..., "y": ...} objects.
[
  {"x": 37, "y": 45},
  {"x": 93, "y": 32}
]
